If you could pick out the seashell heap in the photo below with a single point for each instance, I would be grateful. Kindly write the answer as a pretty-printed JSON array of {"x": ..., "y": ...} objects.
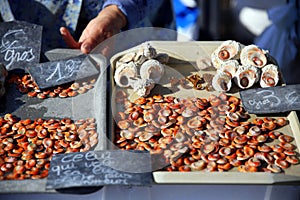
[
  {"x": 245, "y": 65},
  {"x": 141, "y": 69}
]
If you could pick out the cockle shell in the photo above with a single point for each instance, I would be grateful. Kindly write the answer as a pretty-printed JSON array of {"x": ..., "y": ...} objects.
[
  {"x": 230, "y": 67},
  {"x": 143, "y": 87},
  {"x": 246, "y": 76},
  {"x": 269, "y": 76},
  {"x": 152, "y": 69},
  {"x": 221, "y": 82},
  {"x": 125, "y": 74},
  {"x": 253, "y": 55},
  {"x": 228, "y": 50}
]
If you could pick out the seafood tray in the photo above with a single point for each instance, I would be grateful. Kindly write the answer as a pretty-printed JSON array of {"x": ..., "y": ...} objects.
[
  {"x": 182, "y": 64},
  {"x": 88, "y": 105}
]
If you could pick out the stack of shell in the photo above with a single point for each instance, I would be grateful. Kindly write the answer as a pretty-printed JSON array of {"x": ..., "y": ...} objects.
[
  {"x": 245, "y": 65},
  {"x": 213, "y": 134},
  {"x": 140, "y": 69}
]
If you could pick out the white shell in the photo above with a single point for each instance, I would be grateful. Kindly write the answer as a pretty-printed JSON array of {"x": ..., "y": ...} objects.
[
  {"x": 221, "y": 82},
  {"x": 152, "y": 69},
  {"x": 230, "y": 67},
  {"x": 139, "y": 57},
  {"x": 125, "y": 73},
  {"x": 143, "y": 87},
  {"x": 149, "y": 51},
  {"x": 246, "y": 76},
  {"x": 253, "y": 55},
  {"x": 228, "y": 50},
  {"x": 128, "y": 57},
  {"x": 269, "y": 76}
]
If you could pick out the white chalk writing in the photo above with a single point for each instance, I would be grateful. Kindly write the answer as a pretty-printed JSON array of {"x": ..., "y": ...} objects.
[
  {"x": 268, "y": 99},
  {"x": 12, "y": 48}
]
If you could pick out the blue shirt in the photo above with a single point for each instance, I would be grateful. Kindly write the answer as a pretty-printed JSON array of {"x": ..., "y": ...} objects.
[{"x": 73, "y": 14}]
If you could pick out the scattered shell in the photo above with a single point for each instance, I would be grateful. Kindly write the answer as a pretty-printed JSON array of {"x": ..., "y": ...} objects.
[
  {"x": 143, "y": 87},
  {"x": 125, "y": 73},
  {"x": 152, "y": 69},
  {"x": 246, "y": 76},
  {"x": 253, "y": 55},
  {"x": 269, "y": 76},
  {"x": 222, "y": 82}
]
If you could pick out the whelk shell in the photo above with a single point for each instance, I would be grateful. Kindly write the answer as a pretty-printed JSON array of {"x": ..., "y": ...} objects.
[
  {"x": 246, "y": 76},
  {"x": 125, "y": 73},
  {"x": 253, "y": 55},
  {"x": 269, "y": 76}
]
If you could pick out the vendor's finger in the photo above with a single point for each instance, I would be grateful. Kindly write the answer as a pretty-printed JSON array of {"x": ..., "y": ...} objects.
[
  {"x": 89, "y": 44},
  {"x": 68, "y": 38}
]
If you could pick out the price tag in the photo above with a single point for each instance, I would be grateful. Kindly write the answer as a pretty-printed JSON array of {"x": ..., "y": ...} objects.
[
  {"x": 20, "y": 44},
  {"x": 271, "y": 100},
  {"x": 58, "y": 72},
  {"x": 98, "y": 168}
]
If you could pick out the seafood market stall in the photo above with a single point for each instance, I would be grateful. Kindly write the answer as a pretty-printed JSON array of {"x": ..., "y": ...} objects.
[{"x": 178, "y": 104}]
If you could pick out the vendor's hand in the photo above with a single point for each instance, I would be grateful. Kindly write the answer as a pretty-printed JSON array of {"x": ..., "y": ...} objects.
[{"x": 108, "y": 23}]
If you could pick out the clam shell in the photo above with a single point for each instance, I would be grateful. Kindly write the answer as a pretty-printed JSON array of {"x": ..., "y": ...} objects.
[
  {"x": 221, "y": 82},
  {"x": 152, "y": 69},
  {"x": 230, "y": 67},
  {"x": 228, "y": 50},
  {"x": 253, "y": 55},
  {"x": 246, "y": 76},
  {"x": 125, "y": 73},
  {"x": 269, "y": 76},
  {"x": 143, "y": 87}
]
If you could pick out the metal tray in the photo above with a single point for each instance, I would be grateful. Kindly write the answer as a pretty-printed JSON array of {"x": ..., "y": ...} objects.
[
  {"x": 182, "y": 63},
  {"x": 89, "y": 105}
]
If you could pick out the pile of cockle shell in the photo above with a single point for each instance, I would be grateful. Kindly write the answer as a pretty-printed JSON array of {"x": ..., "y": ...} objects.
[
  {"x": 204, "y": 134},
  {"x": 27, "y": 146},
  {"x": 140, "y": 69},
  {"x": 245, "y": 65}
]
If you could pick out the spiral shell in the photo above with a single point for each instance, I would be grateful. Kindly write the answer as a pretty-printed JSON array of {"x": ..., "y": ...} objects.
[
  {"x": 269, "y": 76},
  {"x": 246, "y": 76},
  {"x": 230, "y": 67},
  {"x": 228, "y": 50},
  {"x": 152, "y": 69},
  {"x": 125, "y": 73},
  {"x": 253, "y": 55}
]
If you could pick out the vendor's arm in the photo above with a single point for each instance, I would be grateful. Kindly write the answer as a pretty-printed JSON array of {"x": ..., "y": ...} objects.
[{"x": 108, "y": 22}]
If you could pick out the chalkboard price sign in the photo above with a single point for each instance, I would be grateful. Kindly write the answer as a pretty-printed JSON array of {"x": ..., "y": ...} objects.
[
  {"x": 98, "y": 168},
  {"x": 271, "y": 100},
  {"x": 58, "y": 72},
  {"x": 20, "y": 44}
]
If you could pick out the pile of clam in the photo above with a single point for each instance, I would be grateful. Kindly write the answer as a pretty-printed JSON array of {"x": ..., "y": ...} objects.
[
  {"x": 213, "y": 134},
  {"x": 140, "y": 69},
  {"x": 26, "y": 146},
  {"x": 245, "y": 65}
]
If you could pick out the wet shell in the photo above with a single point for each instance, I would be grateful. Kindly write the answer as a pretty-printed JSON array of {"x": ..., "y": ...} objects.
[
  {"x": 125, "y": 73},
  {"x": 269, "y": 76},
  {"x": 152, "y": 69},
  {"x": 221, "y": 82},
  {"x": 228, "y": 50},
  {"x": 246, "y": 76},
  {"x": 253, "y": 55},
  {"x": 229, "y": 67},
  {"x": 143, "y": 87}
]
